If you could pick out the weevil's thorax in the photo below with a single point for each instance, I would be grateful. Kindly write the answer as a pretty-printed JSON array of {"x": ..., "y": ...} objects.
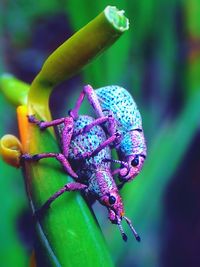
[
  {"x": 122, "y": 106},
  {"x": 132, "y": 143},
  {"x": 133, "y": 151},
  {"x": 101, "y": 182}
]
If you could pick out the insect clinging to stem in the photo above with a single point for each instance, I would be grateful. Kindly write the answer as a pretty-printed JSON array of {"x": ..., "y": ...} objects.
[
  {"x": 91, "y": 173},
  {"x": 131, "y": 147}
]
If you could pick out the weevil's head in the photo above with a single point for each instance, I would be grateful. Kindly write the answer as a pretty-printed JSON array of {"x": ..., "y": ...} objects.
[
  {"x": 113, "y": 202},
  {"x": 115, "y": 207},
  {"x": 133, "y": 154},
  {"x": 133, "y": 167}
]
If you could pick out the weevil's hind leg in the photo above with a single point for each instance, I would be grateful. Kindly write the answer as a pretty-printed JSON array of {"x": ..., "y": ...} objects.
[
  {"x": 66, "y": 188},
  {"x": 92, "y": 98},
  {"x": 60, "y": 157},
  {"x": 44, "y": 124}
]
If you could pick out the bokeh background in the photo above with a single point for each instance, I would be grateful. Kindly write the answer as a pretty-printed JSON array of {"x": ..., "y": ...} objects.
[{"x": 158, "y": 61}]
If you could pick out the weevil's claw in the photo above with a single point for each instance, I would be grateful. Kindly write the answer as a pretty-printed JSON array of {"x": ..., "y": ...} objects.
[
  {"x": 32, "y": 119},
  {"x": 26, "y": 157},
  {"x": 29, "y": 157}
]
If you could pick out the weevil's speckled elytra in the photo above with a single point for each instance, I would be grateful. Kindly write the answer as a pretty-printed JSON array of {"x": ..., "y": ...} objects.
[
  {"x": 91, "y": 172},
  {"x": 117, "y": 101}
]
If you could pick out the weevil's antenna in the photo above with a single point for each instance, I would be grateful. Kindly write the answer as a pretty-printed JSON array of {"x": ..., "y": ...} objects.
[
  {"x": 125, "y": 164},
  {"x": 124, "y": 236},
  {"x": 137, "y": 237}
]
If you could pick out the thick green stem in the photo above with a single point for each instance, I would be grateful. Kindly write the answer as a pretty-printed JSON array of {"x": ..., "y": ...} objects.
[
  {"x": 68, "y": 232},
  {"x": 74, "y": 54},
  {"x": 14, "y": 90}
]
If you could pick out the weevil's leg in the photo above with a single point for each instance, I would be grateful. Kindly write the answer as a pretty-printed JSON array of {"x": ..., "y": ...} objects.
[
  {"x": 123, "y": 170},
  {"x": 123, "y": 163},
  {"x": 66, "y": 188},
  {"x": 74, "y": 112},
  {"x": 92, "y": 98},
  {"x": 116, "y": 171},
  {"x": 60, "y": 157},
  {"x": 67, "y": 135},
  {"x": 99, "y": 148},
  {"x": 96, "y": 122},
  {"x": 44, "y": 124},
  {"x": 66, "y": 131}
]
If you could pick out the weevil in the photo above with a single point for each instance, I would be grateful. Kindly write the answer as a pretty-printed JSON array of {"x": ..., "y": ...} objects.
[
  {"x": 118, "y": 103},
  {"x": 92, "y": 174}
]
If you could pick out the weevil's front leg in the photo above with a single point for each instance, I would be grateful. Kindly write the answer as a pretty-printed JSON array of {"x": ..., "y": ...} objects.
[
  {"x": 92, "y": 98},
  {"x": 122, "y": 172},
  {"x": 66, "y": 188},
  {"x": 124, "y": 168},
  {"x": 66, "y": 133},
  {"x": 45, "y": 124},
  {"x": 60, "y": 157}
]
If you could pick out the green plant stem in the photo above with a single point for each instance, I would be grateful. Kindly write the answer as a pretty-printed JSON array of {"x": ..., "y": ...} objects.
[
  {"x": 14, "y": 90},
  {"x": 74, "y": 54},
  {"x": 68, "y": 233}
]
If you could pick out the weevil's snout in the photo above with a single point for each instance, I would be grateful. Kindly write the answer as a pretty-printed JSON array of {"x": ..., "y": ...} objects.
[{"x": 135, "y": 164}]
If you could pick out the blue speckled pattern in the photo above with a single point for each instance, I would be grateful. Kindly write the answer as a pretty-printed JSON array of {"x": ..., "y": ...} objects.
[
  {"x": 87, "y": 142},
  {"x": 121, "y": 103},
  {"x": 93, "y": 171}
]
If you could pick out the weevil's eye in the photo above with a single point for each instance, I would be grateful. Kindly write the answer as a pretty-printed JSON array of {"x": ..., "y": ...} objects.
[
  {"x": 111, "y": 200},
  {"x": 135, "y": 161}
]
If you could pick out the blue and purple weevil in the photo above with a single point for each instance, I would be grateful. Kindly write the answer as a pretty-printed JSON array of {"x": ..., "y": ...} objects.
[
  {"x": 116, "y": 102},
  {"x": 92, "y": 174}
]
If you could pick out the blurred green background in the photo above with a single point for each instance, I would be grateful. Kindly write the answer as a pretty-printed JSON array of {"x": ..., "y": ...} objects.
[{"x": 158, "y": 61}]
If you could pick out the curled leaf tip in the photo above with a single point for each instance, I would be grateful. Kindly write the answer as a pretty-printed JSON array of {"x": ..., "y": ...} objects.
[{"x": 10, "y": 150}]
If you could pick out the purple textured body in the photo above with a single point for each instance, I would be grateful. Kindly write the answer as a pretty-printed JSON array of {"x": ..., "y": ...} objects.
[
  {"x": 118, "y": 103},
  {"x": 91, "y": 172}
]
